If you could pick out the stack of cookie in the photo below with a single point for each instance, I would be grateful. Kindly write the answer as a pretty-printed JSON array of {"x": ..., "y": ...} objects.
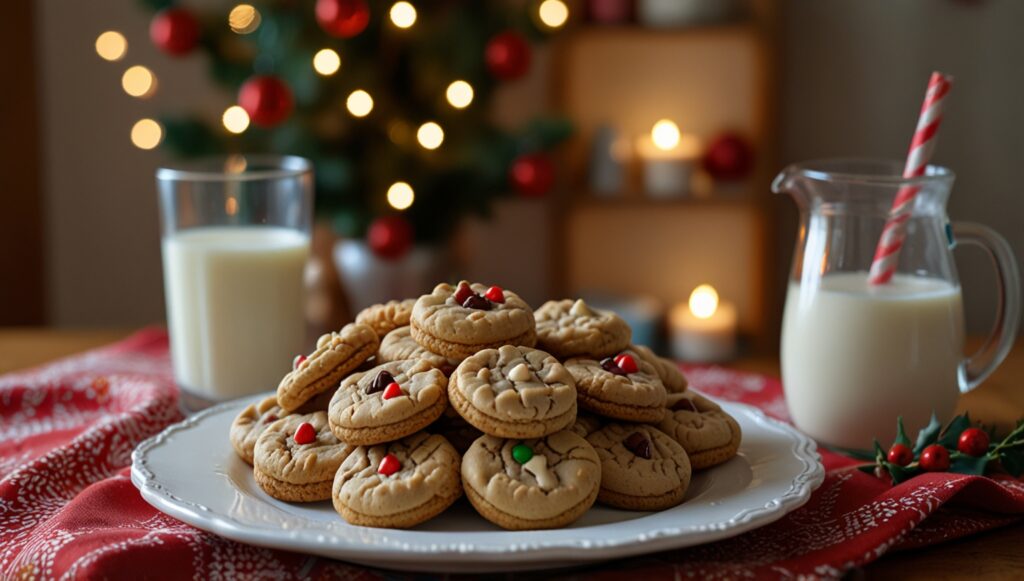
[{"x": 533, "y": 415}]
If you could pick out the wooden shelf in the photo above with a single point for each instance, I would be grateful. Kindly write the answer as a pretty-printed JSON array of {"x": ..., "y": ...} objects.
[{"x": 633, "y": 31}]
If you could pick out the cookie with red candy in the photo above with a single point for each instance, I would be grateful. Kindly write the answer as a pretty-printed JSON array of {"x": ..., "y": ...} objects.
[
  {"x": 624, "y": 387},
  {"x": 296, "y": 457}
]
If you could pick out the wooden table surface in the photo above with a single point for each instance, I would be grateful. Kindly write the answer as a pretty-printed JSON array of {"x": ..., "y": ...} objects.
[{"x": 996, "y": 554}]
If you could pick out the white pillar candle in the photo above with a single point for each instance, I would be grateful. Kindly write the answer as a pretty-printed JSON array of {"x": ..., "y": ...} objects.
[
  {"x": 668, "y": 159},
  {"x": 704, "y": 329}
]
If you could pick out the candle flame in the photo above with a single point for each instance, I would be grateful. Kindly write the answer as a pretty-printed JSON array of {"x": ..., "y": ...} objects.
[
  {"x": 665, "y": 134},
  {"x": 704, "y": 301}
]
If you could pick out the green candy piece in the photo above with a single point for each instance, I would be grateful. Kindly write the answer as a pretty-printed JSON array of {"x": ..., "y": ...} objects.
[{"x": 522, "y": 453}]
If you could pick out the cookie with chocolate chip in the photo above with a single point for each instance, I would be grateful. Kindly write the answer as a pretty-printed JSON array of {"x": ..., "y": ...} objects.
[
  {"x": 569, "y": 328},
  {"x": 642, "y": 468},
  {"x": 624, "y": 387},
  {"x": 335, "y": 356},
  {"x": 458, "y": 321},
  {"x": 531, "y": 484},
  {"x": 296, "y": 457},
  {"x": 668, "y": 371},
  {"x": 514, "y": 392},
  {"x": 709, "y": 435},
  {"x": 385, "y": 317}
]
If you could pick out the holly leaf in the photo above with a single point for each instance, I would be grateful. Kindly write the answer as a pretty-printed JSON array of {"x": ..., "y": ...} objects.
[
  {"x": 900, "y": 473},
  {"x": 879, "y": 452},
  {"x": 901, "y": 433},
  {"x": 855, "y": 453},
  {"x": 867, "y": 469},
  {"x": 965, "y": 464},
  {"x": 1013, "y": 462},
  {"x": 928, "y": 435},
  {"x": 951, "y": 436}
]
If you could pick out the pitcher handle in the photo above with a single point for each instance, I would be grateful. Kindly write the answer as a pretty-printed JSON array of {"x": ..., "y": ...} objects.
[{"x": 984, "y": 361}]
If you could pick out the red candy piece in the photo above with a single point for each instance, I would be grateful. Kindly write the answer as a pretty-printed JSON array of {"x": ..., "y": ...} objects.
[
  {"x": 973, "y": 442},
  {"x": 626, "y": 363},
  {"x": 495, "y": 294},
  {"x": 298, "y": 361},
  {"x": 462, "y": 293},
  {"x": 389, "y": 465},
  {"x": 305, "y": 434},
  {"x": 935, "y": 458},
  {"x": 900, "y": 455},
  {"x": 392, "y": 390}
]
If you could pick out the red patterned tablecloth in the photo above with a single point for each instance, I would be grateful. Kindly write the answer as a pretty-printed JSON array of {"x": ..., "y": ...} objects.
[{"x": 69, "y": 510}]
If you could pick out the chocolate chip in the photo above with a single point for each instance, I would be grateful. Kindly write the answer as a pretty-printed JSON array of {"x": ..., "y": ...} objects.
[
  {"x": 608, "y": 364},
  {"x": 463, "y": 292},
  {"x": 638, "y": 444},
  {"x": 380, "y": 382},
  {"x": 475, "y": 301},
  {"x": 684, "y": 404}
]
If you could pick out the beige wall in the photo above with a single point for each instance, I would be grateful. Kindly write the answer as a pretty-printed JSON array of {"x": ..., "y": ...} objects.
[{"x": 854, "y": 76}]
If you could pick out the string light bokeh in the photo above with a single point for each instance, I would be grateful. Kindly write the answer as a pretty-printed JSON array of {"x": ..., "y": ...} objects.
[
  {"x": 400, "y": 196},
  {"x": 138, "y": 81},
  {"x": 402, "y": 14},
  {"x": 111, "y": 46},
  {"x": 244, "y": 19},
  {"x": 430, "y": 135},
  {"x": 147, "y": 134},
  {"x": 326, "y": 62},
  {"x": 359, "y": 103},
  {"x": 235, "y": 119},
  {"x": 459, "y": 94}
]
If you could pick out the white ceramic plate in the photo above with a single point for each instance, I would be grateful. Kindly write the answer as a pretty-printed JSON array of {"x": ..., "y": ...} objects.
[{"x": 191, "y": 472}]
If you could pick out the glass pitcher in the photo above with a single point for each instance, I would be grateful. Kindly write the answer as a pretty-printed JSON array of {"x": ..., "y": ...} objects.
[{"x": 854, "y": 355}]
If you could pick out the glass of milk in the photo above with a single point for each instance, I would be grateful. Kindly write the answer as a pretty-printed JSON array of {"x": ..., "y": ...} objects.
[
  {"x": 236, "y": 236},
  {"x": 855, "y": 356}
]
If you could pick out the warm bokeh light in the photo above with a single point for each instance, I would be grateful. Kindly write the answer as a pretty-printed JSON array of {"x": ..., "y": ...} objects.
[
  {"x": 460, "y": 94},
  {"x": 359, "y": 103},
  {"x": 403, "y": 14},
  {"x": 146, "y": 134},
  {"x": 400, "y": 195},
  {"x": 326, "y": 62},
  {"x": 235, "y": 119},
  {"x": 430, "y": 135},
  {"x": 111, "y": 45},
  {"x": 665, "y": 134},
  {"x": 244, "y": 19},
  {"x": 553, "y": 13},
  {"x": 704, "y": 301},
  {"x": 138, "y": 81}
]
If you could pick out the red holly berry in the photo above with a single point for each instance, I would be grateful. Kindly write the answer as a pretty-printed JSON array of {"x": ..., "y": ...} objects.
[
  {"x": 174, "y": 31},
  {"x": 626, "y": 363},
  {"x": 305, "y": 434},
  {"x": 935, "y": 458},
  {"x": 973, "y": 442},
  {"x": 389, "y": 465},
  {"x": 900, "y": 455},
  {"x": 463, "y": 292},
  {"x": 266, "y": 99},
  {"x": 298, "y": 361},
  {"x": 392, "y": 390},
  {"x": 495, "y": 294}
]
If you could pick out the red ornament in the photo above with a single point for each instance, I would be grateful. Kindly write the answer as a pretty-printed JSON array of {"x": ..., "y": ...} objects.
[
  {"x": 342, "y": 18},
  {"x": 532, "y": 175},
  {"x": 729, "y": 157},
  {"x": 462, "y": 292},
  {"x": 495, "y": 294},
  {"x": 298, "y": 361},
  {"x": 973, "y": 442},
  {"x": 174, "y": 31},
  {"x": 935, "y": 458},
  {"x": 389, "y": 465},
  {"x": 507, "y": 56},
  {"x": 390, "y": 237},
  {"x": 305, "y": 434},
  {"x": 626, "y": 363},
  {"x": 900, "y": 455},
  {"x": 392, "y": 390},
  {"x": 267, "y": 100}
]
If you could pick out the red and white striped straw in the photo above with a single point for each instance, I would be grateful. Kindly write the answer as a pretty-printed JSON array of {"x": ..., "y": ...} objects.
[{"x": 921, "y": 147}]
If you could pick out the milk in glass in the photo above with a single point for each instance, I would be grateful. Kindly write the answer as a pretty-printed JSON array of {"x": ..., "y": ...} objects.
[
  {"x": 235, "y": 301},
  {"x": 855, "y": 357}
]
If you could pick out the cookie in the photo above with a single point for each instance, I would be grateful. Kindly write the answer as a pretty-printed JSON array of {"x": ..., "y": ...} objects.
[
  {"x": 296, "y": 457},
  {"x": 335, "y": 356},
  {"x": 460, "y": 433},
  {"x": 642, "y": 468},
  {"x": 668, "y": 371},
  {"x": 531, "y": 484},
  {"x": 514, "y": 392},
  {"x": 250, "y": 423},
  {"x": 626, "y": 387},
  {"x": 585, "y": 424},
  {"x": 709, "y": 435},
  {"x": 570, "y": 328},
  {"x": 459, "y": 321},
  {"x": 388, "y": 402},
  {"x": 385, "y": 317},
  {"x": 398, "y": 485},
  {"x": 399, "y": 344}
]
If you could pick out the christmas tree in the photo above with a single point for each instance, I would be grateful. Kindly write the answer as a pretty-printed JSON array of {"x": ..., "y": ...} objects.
[{"x": 389, "y": 100}]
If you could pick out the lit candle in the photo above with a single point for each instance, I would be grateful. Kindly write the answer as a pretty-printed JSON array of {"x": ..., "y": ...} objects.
[
  {"x": 703, "y": 330},
  {"x": 668, "y": 159}
]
